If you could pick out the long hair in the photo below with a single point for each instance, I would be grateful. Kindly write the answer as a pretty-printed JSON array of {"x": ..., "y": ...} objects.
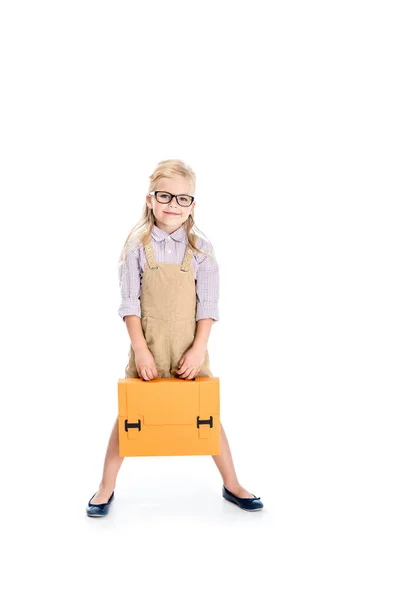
[{"x": 141, "y": 232}]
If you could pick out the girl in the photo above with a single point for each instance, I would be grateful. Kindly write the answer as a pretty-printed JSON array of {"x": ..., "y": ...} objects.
[{"x": 169, "y": 285}]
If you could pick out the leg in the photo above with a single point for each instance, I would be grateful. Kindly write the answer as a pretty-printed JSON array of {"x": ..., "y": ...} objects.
[
  {"x": 225, "y": 466},
  {"x": 112, "y": 464}
]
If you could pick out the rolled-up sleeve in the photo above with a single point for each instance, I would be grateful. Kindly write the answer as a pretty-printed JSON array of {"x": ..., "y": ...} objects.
[
  {"x": 129, "y": 284},
  {"x": 207, "y": 284}
]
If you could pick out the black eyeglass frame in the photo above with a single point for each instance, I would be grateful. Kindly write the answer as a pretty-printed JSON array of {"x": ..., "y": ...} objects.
[{"x": 172, "y": 196}]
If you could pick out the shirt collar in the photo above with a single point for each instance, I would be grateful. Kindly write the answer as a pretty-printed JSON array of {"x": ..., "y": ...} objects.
[{"x": 179, "y": 235}]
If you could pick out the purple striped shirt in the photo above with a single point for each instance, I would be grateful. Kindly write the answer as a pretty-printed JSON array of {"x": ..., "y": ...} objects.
[{"x": 170, "y": 248}]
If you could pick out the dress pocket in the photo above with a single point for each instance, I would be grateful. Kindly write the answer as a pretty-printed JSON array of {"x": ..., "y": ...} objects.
[
  {"x": 145, "y": 324},
  {"x": 151, "y": 330}
]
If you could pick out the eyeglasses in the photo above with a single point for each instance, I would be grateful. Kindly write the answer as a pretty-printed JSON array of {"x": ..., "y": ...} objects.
[{"x": 166, "y": 197}]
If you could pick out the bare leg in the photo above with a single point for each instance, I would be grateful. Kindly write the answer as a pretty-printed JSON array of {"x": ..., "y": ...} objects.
[
  {"x": 226, "y": 467},
  {"x": 112, "y": 464}
]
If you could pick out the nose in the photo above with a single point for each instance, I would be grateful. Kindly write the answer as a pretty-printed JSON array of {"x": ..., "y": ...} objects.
[{"x": 173, "y": 203}]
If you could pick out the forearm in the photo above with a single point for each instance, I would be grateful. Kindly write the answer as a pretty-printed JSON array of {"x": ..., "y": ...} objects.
[
  {"x": 135, "y": 331},
  {"x": 203, "y": 328}
]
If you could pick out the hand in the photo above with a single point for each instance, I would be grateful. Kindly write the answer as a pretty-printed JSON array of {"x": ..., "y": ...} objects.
[
  {"x": 145, "y": 363},
  {"x": 191, "y": 361}
]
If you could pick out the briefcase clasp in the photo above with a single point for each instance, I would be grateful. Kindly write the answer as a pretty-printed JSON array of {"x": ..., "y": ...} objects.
[
  {"x": 205, "y": 422},
  {"x": 131, "y": 425}
]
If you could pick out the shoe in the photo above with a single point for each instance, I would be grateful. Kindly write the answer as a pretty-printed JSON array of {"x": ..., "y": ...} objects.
[
  {"x": 249, "y": 504},
  {"x": 99, "y": 510}
]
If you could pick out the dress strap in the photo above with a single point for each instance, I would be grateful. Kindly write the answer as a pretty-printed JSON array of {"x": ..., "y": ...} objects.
[
  {"x": 148, "y": 248},
  {"x": 187, "y": 259},
  {"x": 186, "y": 262}
]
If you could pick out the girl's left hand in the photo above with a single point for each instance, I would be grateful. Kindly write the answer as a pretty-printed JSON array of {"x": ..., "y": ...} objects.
[{"x": 191, "y": 361}]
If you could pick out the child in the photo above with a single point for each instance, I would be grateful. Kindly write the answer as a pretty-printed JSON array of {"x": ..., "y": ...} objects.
[{"x": 169, "y": 285}]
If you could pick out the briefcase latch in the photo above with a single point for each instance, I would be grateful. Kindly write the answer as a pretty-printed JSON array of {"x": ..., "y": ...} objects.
[
  {"x": 205, "y": 421},
  {"x": 204, "y": 432},
  {"x": 132, "y": 425}
]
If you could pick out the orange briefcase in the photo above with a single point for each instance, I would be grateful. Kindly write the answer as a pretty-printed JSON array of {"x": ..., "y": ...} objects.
[{"x": 168, "y": 416}]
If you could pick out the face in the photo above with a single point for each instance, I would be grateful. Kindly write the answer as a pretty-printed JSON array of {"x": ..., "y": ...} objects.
[{"x": 171, "y": 222}]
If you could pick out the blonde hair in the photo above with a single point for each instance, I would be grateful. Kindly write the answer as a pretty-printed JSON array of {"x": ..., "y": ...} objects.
[{"x": 142, "y": 230}]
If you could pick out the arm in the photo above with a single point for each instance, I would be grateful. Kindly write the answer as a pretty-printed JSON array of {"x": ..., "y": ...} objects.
[
  {"x": 207, "y": 292},
  {"x": 135, "y": 331},
  {"x": 129, "y": 309},
  {"x": 203, "y": 329}
]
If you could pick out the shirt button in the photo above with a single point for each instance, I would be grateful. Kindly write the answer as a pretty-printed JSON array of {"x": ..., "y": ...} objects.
[
  {"x": 169, "y": 251},
  {"x": 167, "y": 239}
]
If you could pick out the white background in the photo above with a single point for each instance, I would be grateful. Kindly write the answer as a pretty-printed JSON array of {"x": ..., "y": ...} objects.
[{"x": 288, "y": 112}]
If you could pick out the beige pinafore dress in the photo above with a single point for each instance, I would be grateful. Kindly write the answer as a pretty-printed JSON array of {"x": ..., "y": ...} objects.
[{"x": 168, "y": 314}]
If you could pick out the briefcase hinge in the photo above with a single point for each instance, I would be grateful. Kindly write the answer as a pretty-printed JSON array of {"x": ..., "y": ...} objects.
[
  {"x": 131, "y": 425},
  {"x": 205, "y": 422}
]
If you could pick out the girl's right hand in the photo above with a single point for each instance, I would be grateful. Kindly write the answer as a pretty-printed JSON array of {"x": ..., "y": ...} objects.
[{"x": 145, "y": 364}]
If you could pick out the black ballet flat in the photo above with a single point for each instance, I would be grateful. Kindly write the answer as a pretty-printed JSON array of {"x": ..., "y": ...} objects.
[
  {"x": 249, "y": 504},
  {"x": 99, "y": 510}
]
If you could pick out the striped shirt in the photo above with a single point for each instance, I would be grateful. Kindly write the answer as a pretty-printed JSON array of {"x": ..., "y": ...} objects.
[{"x": 170, "y": 248}]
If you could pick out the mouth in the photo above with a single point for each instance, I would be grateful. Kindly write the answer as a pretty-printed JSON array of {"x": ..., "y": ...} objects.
[{"x": 170, "y": 213}]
